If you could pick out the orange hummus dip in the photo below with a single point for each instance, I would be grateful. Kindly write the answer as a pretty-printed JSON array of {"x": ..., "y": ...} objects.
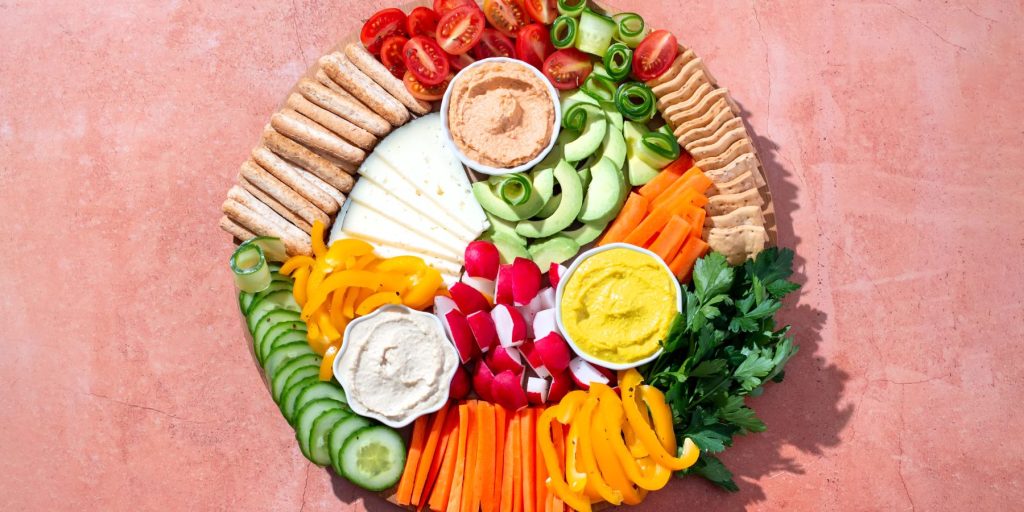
[{"x": 501, "y": 114}]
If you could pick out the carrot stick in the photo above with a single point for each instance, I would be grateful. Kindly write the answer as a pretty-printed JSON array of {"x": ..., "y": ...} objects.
[
  {"x": 541, "y": 486},
  {"x": 667, "y": 245},
  {"x": 448, "y": 442},
  {"x": 500, "y": 426},
  {"x": 629, "y": 217},
  {"x": 483, "y": 484},
  {"x": 650, "y": 226},
  {"x": 469, "y": 471},
  {"x": 419, "y": 438},
  {"x": 662, "y": 181},
  {"x": 510, "y": 462},
  {"x": 682, "y": 264},
  {"x": 696, "y": 218},
  {"x": 679, "y": 184},
  {"x": 454, "y": 495},
  {"x": 430, "y": 454},
  {"x": 527, "y": 434}
]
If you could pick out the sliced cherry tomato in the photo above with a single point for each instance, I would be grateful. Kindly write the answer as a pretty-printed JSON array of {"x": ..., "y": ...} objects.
[
  {"x": 544, "y": 11},
  {"x": 508, "y": 16},
  {"x": 494, "y": 44},
  {"x": 460, "y": 29},
  {"x": 391, "y": 55},
  {"x": 654, "y": 55},
  {"x": 425, "y": 92},
  {"x": 458, "y": 62},
  {"x": 533, "y": 45},
  {"x": 384, "y": 23},
  {"x": 442, "y": 7},
  {"x": 568, "y": 68},
  {"x": 425, "y": 59},
  {"x": 422, "y": 21}
]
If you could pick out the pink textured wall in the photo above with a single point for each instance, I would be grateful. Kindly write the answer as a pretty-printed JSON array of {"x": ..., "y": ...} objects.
[{"x": 894, "y": 146}]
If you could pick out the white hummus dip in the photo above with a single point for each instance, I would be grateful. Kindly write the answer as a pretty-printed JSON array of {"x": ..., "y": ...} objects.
[{"x": 397, "y": 364}]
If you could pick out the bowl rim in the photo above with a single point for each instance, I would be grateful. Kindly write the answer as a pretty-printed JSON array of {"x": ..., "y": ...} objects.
[
  {"x": 358, "y": 407},
  {"x": 498, "y": 171},
  {"x": 560, "y": 291}
]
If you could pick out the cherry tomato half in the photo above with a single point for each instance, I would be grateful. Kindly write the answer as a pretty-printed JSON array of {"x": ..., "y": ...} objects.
[
  {"x": 425, "y": 59},
  {"x": 533, "y": 45},
  {"x": 391, "y": 55},
  {"x": 425, "y": 92},
  {"x": 508, "y": 16},
  {"x": 568, "y": 68},
  {"x": 654, "y": 55},
  {"x": 384, "y": 23},
  {"x": 493, "y": 44},
  {"x": 544, "y": 11},
  {"x": 458, "y": 62},
  {"x": 460, "y": 29},
  {"x": 442, "y": 7},
  {"x": 422, "y": 21}
]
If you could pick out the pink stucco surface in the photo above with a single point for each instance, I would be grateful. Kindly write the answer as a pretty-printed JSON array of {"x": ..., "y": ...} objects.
[{"x": 894, "y": 146}]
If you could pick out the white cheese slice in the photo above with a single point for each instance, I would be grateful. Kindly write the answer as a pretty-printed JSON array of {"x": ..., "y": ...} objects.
[{"x": 366, "y": 223}]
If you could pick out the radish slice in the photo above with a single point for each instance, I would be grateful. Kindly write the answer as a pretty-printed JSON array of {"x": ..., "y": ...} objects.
[
  {"x": 583, "y": 373},
  {"x": 457, "y": 328},
  {"x": 537, "y": 390},
  {"x": 442, "y": 305},
  {"x": 561, "y": 384},
  {"x": 505, "y": 358},
  {"x": 554, "y": 352},
  {"x": 525, "y": 281},
  {"x": 503, "y": 285},
  {"x": 529, "y": 312},
  {"x": 507, "y": 390},
  {"x": 483, "y": 330},
  {"x": 460, "y": 384},
  {"x": 484, "y": 286},
  {"x": 468, "y": 298},
  {"x": 544, "y": 323},
  {"x": 555, "y": 274},
  {"x": 546, "y": 297},
  {"x": 483, "y": 381},
  {"x": 610, "y": 375},
  {"x": 529, "y": 351},
  {"x": 510, "y": 324},
  {"x": 482, "y": 260}
]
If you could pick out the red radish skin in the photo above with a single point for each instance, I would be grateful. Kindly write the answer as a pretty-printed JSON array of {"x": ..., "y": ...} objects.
[
  {"x": 561, "y": 384},
  {"x": 507, "y": 389},
  {"x": 503, "y": 285},
  {"x": 484, "y": 286},
  {"x": 457, "y": 328},
  {"x": 482, "y": 260},
  {"x": 529, "y": 352},
  {"x": 483, "y": 330},
  {"x": 547, "y": 298},
  {"x": 537, "y": 390},
  {"x": 460, "y": 384},
  {"x": 584, "y": 373},
  {"x": 555, "y": 274},
  {"x": 442, "y": 305},
  {"x": 468, "y": 298},
  {"x": 483, "y": 381},
  {"x": 544, "y": 323},
  {"x": 609, "y": 374},
  {"x": 526, "y": 280},
  {"x": 510, "y": 324},
  {"x": 554, "y": 352},
  {"x": 505, "y": 358}
]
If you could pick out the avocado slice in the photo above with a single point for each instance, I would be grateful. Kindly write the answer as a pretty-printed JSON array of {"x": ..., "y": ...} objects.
[
  {"x": 639, "y": 171},
  {"x": 614, "y": 147},
  {"x": 543, "y": 186},
  {"x": 588, "y": 141},
  {"x": 568, "y": 207},
  {"x": 602, "y": 201},
  {"x": 549, "y": 208},
  {"x": 585, "y": 176},
  {"x": 556, "y": 249},
  {"x": 503, "y": 227},
  {"x": 586, "y": 233},
  {"x": 612, "y": 113},
  {"x": 509, "y": 248}
]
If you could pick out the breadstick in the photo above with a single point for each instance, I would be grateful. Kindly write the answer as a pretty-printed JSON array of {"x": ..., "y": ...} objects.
[
  {"x": 301, "y": 129},
  {"x": 259, "y": 225},
  {"x": 257, "y": 176},
  {"x": 344, "y": 105},
  {"x": 369, "y": 64},
  {"x": 312, "y": 162},
  {"x": 334, "y": 193},
  {"x": 246, "y": 199},
  {"x": 235, "y": 230},
  {"x": 330, "y": 84},
  {"x": 274, "y": 204},
  {"x": 290, "y": 175},
  {"x": 344, "y": 129},
  {"x": 338, "y": 67}
]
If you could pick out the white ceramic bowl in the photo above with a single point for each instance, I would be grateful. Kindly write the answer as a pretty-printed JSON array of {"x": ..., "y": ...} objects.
[
  {"x": 486, "y": 169},
  {"x": 446, "y": 379},
  {"x": 561, "y": 290}
]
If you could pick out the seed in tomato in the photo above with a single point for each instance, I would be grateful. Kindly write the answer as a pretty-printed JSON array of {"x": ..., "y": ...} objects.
[
  {"x": 654, "y": 55},
  {"x": 460, "y": 29},
  {"x": 426, "y": 60}
]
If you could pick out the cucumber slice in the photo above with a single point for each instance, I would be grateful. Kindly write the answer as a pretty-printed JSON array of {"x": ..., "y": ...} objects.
[
  {"x": 283, "y": 354},
  {"x": 320, "y": 391},
  {"x": 280, "y": 299},
  {"x": 373, "y": 458},
  {"x": 339, "y": 434},
  {"x": 595, "y": 33},
  {"x": 305, "y": 418},
  {"x": 271, "y": 326},
  {"x": 271, "y": 288},
  {"x": 298, "y": 366},
  {"x": 292, "y": 389},
  {"x": 319, "y": 451},
  {"x": 285, "y": 338},
  {"x": 244, "y": 301}
]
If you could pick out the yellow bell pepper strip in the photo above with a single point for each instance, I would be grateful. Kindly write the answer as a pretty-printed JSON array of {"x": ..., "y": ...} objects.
[
  {"x": 339, "y": 281},
  {"x": 301, "y": 277},
  {"x": 341, "y": 250},
  {"x": 563, "y": 413},
  {"x": 393, "y": 282},
  {"x": 338, "y": 306},
  {"x": 363, "y": 261},
  {"x": 323, "y": 319},
  {"x": 317, "y": 341},
  {"x": 424, "y": 284},
  {"x": 611, "y": 419},
  {"x": 327, "y": 364},
  {"x": 348, "y": 308},
  {"x": 596, "y": 484},
  {"x": 317, "y": 277},
  {"x": 377, "y": 300},
  {"x": 317, "y": 234},
  {"x": 294, "y": 263},
  {"x": 636, "y": 448},
  {"x": 661, "y": 414},
  {"x": 629, "y": 383},
  {"x": 402, "y": 265},
  {"x": 601, "y": 437}
]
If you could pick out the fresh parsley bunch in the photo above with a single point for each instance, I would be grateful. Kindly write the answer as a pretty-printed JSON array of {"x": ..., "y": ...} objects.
[{"x": 723, "y": 347}]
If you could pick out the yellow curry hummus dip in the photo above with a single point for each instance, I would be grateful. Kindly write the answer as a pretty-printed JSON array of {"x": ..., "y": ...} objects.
[
  {"x": 501, "y": 114},
  {"x": 618, "y": 304}
]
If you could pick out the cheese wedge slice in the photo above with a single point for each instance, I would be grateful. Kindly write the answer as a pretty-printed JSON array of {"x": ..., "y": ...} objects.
[{"x": 368, "y": 224}]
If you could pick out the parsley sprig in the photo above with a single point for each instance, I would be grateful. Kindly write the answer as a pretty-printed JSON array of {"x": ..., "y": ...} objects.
[{"x": 723, "y": 347}]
